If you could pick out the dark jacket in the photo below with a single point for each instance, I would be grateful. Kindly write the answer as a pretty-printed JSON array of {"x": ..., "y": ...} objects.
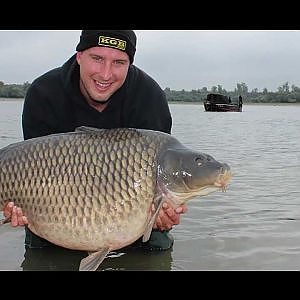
[{"x": 54, "y": 104}]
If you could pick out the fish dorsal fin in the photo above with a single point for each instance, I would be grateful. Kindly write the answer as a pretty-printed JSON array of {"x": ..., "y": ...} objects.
[
  {"x": 158, "y": 201},
  {"x": 92, "y": 262},
  {"x": 88, "y": 129}
]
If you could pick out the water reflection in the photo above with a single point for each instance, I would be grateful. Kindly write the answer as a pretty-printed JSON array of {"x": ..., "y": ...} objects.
[
  {"x": 52, "y": 259},
  {"x": 139, "y": 259},
  {"x": 129, "y": 259}
]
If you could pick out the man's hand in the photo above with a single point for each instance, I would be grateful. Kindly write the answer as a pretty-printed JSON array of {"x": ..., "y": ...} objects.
[
  {"x": 14, "y": 214},
  {"x": 168, "y": 216}
]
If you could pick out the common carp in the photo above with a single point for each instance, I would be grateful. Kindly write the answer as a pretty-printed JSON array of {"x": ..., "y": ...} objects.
[{"x": 94, "y": 189}]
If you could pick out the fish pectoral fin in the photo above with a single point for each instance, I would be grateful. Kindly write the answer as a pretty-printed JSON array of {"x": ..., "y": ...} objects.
[
  {"x": 92, "y": 262},
  {"x": 157, "y": 205},
  {"x": 147, "y": 232}
]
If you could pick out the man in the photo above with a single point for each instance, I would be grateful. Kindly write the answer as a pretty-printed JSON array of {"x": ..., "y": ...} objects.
[{"x": 99, "y": 87}]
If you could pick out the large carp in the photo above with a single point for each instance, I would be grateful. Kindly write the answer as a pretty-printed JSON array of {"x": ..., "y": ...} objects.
[{"x": 94, "y": 189}]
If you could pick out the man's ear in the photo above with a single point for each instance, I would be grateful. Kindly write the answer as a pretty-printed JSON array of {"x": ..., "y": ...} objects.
[{"x": 78, "y": 57}]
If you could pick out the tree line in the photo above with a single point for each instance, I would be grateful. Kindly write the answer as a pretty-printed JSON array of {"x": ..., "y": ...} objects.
[
  {"x": 285, "y": 93},
  {"x": 13, "y": 90}
]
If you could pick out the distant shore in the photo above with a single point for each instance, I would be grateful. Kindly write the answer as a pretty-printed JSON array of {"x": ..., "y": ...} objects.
[
  {"x": 185, "y": 102},
  {"x": 11, "y": 99},
  {"x": 245, "y": 104}
]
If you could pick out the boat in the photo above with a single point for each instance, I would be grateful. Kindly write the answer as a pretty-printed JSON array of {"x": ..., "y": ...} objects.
[{"x": 219, "y": 102}]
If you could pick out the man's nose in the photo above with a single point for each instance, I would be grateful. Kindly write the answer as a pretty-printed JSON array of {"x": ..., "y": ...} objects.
[{"x": 106, "y": 71}]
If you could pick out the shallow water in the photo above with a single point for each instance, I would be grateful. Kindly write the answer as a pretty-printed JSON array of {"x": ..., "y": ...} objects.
[{"x": 253, "y": 226}]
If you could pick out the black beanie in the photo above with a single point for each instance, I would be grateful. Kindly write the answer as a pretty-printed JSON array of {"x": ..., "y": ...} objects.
[{"x": 124, "y": 40}]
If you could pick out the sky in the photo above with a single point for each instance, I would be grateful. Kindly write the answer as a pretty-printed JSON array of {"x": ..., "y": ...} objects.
[{"x": 177, "y": 59}]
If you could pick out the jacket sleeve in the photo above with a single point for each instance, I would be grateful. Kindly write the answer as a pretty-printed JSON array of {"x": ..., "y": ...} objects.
[{"x": 37, "y": 116}]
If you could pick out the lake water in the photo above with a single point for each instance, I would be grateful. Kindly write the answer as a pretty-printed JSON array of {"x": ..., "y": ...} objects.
[{"x": 253, "y": 226}]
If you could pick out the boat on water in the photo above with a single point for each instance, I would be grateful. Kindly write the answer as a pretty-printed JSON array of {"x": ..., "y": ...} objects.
[{"x": 218, "y": 102}]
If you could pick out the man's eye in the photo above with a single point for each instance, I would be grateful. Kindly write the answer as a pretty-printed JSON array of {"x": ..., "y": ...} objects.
[
  {"x": 120, "y": 62},
  {"x": 97, "y": 58}
]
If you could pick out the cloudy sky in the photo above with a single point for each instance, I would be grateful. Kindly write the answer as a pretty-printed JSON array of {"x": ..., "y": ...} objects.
[{"x": 178, "y": 59}]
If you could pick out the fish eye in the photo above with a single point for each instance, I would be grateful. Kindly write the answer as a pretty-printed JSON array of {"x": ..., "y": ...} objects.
[{"x": 198, "y": 161}]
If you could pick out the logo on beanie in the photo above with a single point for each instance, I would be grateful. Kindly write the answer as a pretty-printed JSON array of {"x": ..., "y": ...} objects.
[{"x": 112, "y": 42}]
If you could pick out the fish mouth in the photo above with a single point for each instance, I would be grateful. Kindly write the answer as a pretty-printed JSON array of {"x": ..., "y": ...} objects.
[
  {"x": 221, "y": 182},
  {"x": 215, "y": 182},
  {"x": 223, "y": 179}
]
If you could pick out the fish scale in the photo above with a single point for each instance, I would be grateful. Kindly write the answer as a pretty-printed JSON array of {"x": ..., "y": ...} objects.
[{"x": 93, "y": 189}]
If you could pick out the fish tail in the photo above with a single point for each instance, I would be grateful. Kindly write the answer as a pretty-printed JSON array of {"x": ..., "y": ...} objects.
[{"x": 5, "y": 220}]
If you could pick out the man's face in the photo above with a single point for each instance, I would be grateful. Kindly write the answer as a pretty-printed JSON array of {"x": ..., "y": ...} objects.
[{"x": 103, "y": 71}]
